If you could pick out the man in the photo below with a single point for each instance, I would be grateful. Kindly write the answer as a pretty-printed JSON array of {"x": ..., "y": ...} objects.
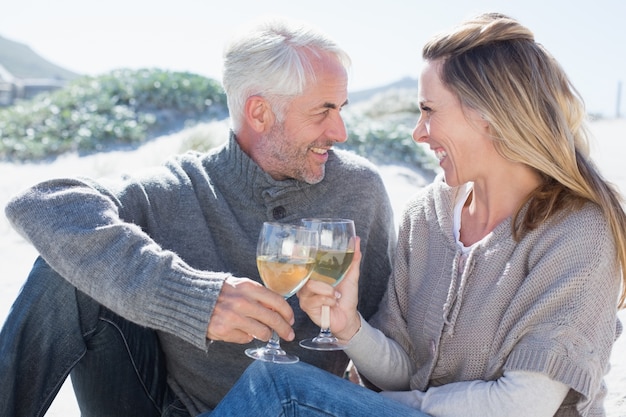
[{"x": 149, "y": 292}]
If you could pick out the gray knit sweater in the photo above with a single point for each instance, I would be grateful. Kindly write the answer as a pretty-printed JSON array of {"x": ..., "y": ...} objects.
[
  {"x": 156, "y": 247},
  {"x": 546, "y": 304}
]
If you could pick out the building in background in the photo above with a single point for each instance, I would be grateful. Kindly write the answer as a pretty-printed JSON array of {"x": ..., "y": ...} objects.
[
  {"x": 24, "y": 73},
  {"x": 13, "y": 88}
]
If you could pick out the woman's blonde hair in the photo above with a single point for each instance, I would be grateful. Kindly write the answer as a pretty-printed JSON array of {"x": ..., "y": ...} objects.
[{"x": 493, "y": 64}]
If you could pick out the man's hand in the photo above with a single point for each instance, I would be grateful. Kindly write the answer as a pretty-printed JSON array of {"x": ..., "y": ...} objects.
[{"x": 246, "y": 310}]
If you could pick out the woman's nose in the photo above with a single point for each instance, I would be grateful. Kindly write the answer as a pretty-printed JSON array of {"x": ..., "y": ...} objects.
[{"x": 420, "y": 132}]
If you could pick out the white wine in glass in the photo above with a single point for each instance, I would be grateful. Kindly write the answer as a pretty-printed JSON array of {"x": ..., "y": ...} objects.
[
  {"x": 285, "y": 258},
  {"x": 337, "y": 239}
]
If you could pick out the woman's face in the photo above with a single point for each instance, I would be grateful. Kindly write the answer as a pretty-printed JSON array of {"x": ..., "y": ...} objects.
[{"x": 458, "y": 135}]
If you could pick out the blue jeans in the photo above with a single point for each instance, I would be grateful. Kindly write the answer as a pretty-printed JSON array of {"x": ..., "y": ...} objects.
[
  {"x": 303, "y": 390},
  {"x": 52, "y": 330}
]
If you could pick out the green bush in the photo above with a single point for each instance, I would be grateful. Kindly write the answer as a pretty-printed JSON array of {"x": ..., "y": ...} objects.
[
  {"x": 96, "y": 113},
  {"x": 129, "y": 107},
  {"x": 381, "y": 129},
  {"x": 385, "y": 141}
]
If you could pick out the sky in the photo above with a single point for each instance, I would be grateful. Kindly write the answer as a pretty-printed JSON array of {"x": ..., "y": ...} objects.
[{"x": 383, "y": 37}]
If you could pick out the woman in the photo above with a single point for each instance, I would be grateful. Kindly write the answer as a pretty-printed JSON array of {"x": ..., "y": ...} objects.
[{"x": 507, "y": 275}]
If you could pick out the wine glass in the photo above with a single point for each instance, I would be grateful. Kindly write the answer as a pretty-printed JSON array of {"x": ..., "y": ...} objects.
[
  {"x": 337, "y": 240},
  {"x": 285, "y": 257}
]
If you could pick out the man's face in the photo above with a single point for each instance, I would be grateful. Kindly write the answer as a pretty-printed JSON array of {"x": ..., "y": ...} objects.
[{"x": 298, "y": 147}]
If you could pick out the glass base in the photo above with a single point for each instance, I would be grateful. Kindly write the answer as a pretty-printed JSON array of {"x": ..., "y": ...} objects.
[
  {"x": 322, "y": 343},
  {"x": 266, "y": 354}
]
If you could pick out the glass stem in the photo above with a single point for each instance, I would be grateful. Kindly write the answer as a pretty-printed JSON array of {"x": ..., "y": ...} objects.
[
  {"x": 325, "y": 331},
  {"x": 274, "y": 342}
]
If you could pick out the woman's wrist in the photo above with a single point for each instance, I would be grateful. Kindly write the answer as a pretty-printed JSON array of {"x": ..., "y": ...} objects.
[{"x": 350, "y": 330}]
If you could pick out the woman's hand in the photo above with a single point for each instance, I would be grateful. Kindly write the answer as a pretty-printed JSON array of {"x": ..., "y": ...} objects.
[{"x": 345, "y": 320}]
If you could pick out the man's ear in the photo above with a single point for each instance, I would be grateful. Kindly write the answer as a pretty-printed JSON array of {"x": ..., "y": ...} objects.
[{"x": 258, "y": 113}]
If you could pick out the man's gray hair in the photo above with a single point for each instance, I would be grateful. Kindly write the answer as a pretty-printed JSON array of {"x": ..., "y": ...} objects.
[{"x": 272, "y": 59}]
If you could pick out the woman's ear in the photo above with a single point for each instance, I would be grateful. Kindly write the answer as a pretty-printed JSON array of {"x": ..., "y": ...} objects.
[{"x": 258, "y": 113}]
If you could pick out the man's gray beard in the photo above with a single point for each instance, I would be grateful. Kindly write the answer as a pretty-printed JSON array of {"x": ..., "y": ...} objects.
[{"x": 277, "y": 154}]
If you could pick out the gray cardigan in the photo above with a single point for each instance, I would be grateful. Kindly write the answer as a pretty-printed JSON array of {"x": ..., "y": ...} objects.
[
  {"x": 156, "y": 247},
  {"x": 546, "y": 304}
]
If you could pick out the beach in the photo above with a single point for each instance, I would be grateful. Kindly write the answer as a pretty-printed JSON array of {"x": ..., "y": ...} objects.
[{"x": 608, "y": 148}]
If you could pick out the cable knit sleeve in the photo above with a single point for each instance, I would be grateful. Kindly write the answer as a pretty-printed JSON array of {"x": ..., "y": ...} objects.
[
  {"x": 78, "y": 229},
  {"x": 563, "y": 320}
]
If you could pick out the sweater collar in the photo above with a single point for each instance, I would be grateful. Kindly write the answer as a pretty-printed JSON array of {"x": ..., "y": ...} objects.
[
  {"x": 245, "y": 175},
  {"x": 444, "y": 198}
]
